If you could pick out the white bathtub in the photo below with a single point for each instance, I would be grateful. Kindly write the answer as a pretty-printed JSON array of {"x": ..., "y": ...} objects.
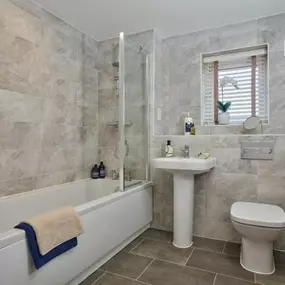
[{"x": 110, "y": 219}]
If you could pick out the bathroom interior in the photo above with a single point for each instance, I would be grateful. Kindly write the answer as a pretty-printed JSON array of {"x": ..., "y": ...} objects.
[{"x": 183, "y": 103}]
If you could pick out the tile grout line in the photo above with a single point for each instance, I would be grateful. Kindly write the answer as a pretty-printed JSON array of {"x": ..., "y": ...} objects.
[
  {"x": 210, "y": 250},
  {"x": 218, "y": 252},
  {"x": 237, "y": 278},
  {"x": 215, "y": 279},
  {"x": 195, "y": 268},
  {"x": 159, "y": 259},
  {"x": 230, "y": 276},
  {"x": 171, "y": 262},
  {"x": 198, "y": 269},
  {"x": 126, "y": 277},
  {"x": 156, "y": 240},
  {"x": 145, "y": 269},
  {"x": 187, "y": 266},
  {"x": 189, "y": 256},
  {"x": 141, "y": 255},
  {"x": 136, "y": 245},
  {"x": 223, "y": 251},
  {"x": 95, "y": 281}
]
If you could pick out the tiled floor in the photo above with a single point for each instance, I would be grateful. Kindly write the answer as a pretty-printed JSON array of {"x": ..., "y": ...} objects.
[{"x": 152, "y": 259}]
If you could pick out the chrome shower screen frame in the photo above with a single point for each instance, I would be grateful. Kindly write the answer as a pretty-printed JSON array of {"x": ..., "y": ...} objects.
[
  {"x": 122, "y": 112},
  {"x": 122, "y": 64}
]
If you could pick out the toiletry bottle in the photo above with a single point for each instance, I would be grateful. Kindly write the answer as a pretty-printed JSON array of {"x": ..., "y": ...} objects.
[
  {"x": 193, "y": 130},
  {"x": 168, "y": 150},
  {"x": 95, "y": 172},
  {"x": 102, "y": 170},
  {"x": 188, "y": 122}
]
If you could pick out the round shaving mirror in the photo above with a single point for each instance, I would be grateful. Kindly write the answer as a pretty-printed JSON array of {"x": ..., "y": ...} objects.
[{"x": 252, "y": 123}]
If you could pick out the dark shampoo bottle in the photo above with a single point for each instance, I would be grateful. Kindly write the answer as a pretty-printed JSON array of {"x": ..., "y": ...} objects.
[
  {"x": 95, "y": 172},
  {"x": 102, "y": 170}
]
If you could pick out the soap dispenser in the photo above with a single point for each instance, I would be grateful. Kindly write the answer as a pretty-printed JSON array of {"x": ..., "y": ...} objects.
[
  {"x": 188, "y": 124},
  {"x": 168, "y": 150}
]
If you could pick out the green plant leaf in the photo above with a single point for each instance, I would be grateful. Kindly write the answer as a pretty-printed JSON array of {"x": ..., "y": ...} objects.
[
  {"x": 227, "y": 106},
  {"x": 220, "y": 106}
]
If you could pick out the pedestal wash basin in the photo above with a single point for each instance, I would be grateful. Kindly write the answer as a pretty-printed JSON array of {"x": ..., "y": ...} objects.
[{"x": 183, "y": 170}]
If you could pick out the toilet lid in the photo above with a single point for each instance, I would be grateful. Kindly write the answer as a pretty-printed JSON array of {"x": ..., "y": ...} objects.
[{"x": 255, "y": 214}]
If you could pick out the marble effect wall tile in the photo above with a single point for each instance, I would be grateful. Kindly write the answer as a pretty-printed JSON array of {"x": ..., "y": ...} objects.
[
  {"x": 107, "y": 155},
  {"x": 48, "y": 97},
  {"x": 19, "y": 163},
  {"x": 271, "y": 30},
  {"x": 20, "y": 135},
  {"x": 229, "y": 161},
  {"x": 16, "y": 186},
  {"x": 23, "y": 22},
  {"x": 58, "y": 159},
  {"x": 18, "y": 107},
  {"x": 233, "y": 36},
  {"x": 47, "y": 180}
]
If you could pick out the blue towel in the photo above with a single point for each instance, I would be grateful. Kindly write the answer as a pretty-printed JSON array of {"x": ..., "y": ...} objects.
[{"x": 41, "y": 260}]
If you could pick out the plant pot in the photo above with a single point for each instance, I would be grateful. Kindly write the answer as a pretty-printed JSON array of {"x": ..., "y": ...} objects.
[{"x": 224, "y": 118}]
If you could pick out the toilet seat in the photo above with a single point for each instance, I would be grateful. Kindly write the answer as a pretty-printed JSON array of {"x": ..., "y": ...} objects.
[{"x": 255, "y": 214}]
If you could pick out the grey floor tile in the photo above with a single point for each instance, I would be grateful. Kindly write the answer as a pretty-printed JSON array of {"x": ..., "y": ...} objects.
[
  {"x": 279, "y": 257},
  {"x": 225, "y": 280},
  {"x": 111, "y": 279},
  {"x": 208, "y": 244},
  {"x": 133, "y": 244},
  {"x": 164, "y": 273},
  {"x": 127, "y": 264},
  {"x": 219, "y": 263},
  {"x": 278, "y": 278},
  {"x": 163, "y": 251},
  {"x": 232, "y": 248},
  {"x": 157, "y": 235},
  {"x": 92, "y": 278}
]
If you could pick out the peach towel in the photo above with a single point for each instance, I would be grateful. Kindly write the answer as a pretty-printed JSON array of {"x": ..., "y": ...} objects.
[{"x": 55, "y": 227}]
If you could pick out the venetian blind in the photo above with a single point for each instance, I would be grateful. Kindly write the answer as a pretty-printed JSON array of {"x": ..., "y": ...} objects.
[{"x": 240, "y": 69}]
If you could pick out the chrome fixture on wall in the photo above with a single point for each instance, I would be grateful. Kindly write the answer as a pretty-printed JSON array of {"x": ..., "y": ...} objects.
[{"x": 116, "y": 55}]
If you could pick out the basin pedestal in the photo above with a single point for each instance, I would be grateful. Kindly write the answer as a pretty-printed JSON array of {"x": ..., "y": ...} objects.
[
  {"x": 184, "y": 170},
  {"x": 183, "y": 209}
]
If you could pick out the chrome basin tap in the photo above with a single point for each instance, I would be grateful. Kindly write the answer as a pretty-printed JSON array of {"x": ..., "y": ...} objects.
[{"x": 186, "y": 151}]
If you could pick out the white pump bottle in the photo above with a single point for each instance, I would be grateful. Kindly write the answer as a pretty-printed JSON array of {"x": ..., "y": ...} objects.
[{"x": 188, "y": 123}]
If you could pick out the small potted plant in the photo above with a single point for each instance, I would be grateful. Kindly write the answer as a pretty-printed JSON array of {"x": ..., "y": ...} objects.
[{"x": 224, "y": 115}]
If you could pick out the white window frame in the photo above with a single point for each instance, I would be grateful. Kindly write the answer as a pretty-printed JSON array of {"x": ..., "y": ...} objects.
[{"x": 244, "y": 52}]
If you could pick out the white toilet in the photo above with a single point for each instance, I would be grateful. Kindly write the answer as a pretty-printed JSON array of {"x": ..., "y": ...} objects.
[{"x": 259, "y": 226}]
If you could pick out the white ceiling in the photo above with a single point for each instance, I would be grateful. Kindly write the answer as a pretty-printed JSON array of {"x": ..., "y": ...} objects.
[{"x": 104, "y": 19}]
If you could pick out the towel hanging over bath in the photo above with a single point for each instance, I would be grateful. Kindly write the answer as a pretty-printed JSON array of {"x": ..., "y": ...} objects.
[
  {"x": 56, "y": 227},
  {"x": 52, "y": 233},
  {"x": 41, "y": 260}
]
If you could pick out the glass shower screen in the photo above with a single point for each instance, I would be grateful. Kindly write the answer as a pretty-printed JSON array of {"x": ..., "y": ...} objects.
[{"x": 133, "y": 112}]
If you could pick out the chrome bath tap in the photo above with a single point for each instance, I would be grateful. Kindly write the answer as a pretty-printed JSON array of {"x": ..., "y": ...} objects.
[{"x": 115, "y": 174}]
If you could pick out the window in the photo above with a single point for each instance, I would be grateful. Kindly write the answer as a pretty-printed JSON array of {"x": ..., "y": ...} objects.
[{"x": 239, "y": 77}]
